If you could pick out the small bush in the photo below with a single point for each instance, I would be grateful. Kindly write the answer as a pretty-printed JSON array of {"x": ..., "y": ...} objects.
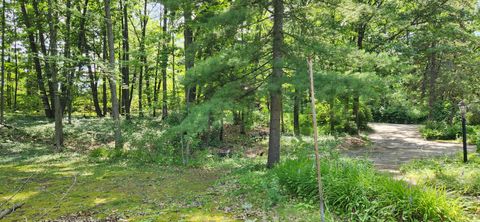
[
  {"x": 356, "y": 192},
  {"x": 442, "y": 131}
]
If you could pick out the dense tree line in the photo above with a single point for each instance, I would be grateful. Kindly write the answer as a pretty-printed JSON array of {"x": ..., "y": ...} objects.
[{"x": 239, "y": 62}]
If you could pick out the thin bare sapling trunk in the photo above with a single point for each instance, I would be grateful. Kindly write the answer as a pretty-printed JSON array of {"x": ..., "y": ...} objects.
[{"x": 315, "y": 139}]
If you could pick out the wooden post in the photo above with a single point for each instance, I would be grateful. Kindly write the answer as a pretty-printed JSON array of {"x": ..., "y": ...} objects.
[{"x": 315, "y": 139}]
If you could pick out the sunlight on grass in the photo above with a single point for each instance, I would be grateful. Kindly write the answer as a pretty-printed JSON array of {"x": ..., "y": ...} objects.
[
  {"x": 450, "y": 173},
  {"x": 105, "y": 189},
  {"x": 203, "y": 216},
  {"x": 20, "y": 196},
  {"x": 99, "y": 201}
]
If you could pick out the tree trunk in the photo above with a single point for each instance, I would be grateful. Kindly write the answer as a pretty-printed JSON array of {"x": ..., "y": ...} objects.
[
  {"x": 132, "y": 87},
  {"x": 356, "y": 109},
  {"x": 332, "y": 114},
  {"x": 67, "y": 71},
  {"x": 38, "y": 67},
  {"x": 356, "y": 97},
  {"x": 346, "y": 106},
  {"x": 220, "y": 133},
  {"x": 85, "y": 52},
  {"x": 276, "y": 85},
  {"x": 296, "y": 113},
  {"x": 94, "y": 87},
  {"x": 8, "y": 84},
  {"x": 282, "y": 120},
  {"x": 43, "y": 48},
  {"x": 174, "y": 85},
  {"x": 2, "y": 84},
  {"x": 53, "y": 18},
  {"x": 433, "y": 69},
  {"x": 125, "y": 65},
  {"x": 104, "y": 79},
  {"x": 243, "y": 130},
  {"x": 113, "y": 81},
  {"x": 164, "y": 67},
  {"x": 190, "y": 90},
  {"x": 156, "y": 80},
  {"x": 16, "y": 70},
  {"x": 144, "y": 66},
  {"x": 119, "y": 95}
]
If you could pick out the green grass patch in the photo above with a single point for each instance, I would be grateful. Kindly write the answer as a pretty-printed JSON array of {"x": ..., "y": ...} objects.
[
  {"x": 70, "y": 186},
  {"x": 461, "y": 180},
  {"x": 356, "y": 192}
]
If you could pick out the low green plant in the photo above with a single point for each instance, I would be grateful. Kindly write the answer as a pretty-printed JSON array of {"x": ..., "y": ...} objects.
[
  {"x": 356, "y": 192},
  {"x": 477, "y": 143},
  {"x": 447, "y": 172},
  {"x": 433, "y": 130},
  {"x": 100, "y": 153}
]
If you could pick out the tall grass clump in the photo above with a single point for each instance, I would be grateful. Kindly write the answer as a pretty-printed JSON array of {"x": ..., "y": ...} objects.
[{"x": 356, "y": 192}]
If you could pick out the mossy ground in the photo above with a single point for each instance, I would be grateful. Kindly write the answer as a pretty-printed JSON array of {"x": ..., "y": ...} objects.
[
  {"x": 70, "y": 185},
  {"x": 82, "y": 183}
]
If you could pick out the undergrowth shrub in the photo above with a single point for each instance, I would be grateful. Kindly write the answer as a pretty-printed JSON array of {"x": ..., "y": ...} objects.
[
  {"x": 442, "y": 131},
  {"x": 399, "y": 113},
  {"x": 356, "y": 192}
]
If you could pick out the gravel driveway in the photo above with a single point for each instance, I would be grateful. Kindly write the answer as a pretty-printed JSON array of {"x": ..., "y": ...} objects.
[{"x": 395, "y": 144}]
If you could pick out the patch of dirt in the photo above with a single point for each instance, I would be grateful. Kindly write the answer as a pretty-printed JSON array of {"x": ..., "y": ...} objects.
[
  {"x": 248, "y": 144},
  {"x": 351, "y": 142}
]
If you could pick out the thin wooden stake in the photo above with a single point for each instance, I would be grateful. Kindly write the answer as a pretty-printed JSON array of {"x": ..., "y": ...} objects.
[{"x": 315, "y": 139}]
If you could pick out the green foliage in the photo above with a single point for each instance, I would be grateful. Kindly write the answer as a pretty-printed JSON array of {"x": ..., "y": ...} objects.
[
  {"x": 399, "y": 113},
  {"x": 267, "y": 183},
  {"x": 473, "y": 114},
  {"x": 442, "y": 131},
  {"x": 100, "y": 153},
  {"x": 447, "y": 172},
  {"x": 462, "y": 180},
  {"x": 478, "y": 141},
  {"x": 356, "y": 192}
]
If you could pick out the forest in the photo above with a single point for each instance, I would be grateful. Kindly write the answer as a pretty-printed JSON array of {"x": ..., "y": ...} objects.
[{"x": 240, "y": 110}]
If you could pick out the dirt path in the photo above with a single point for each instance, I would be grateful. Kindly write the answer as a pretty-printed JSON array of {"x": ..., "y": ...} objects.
[{"x": 395, "y": 144}]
